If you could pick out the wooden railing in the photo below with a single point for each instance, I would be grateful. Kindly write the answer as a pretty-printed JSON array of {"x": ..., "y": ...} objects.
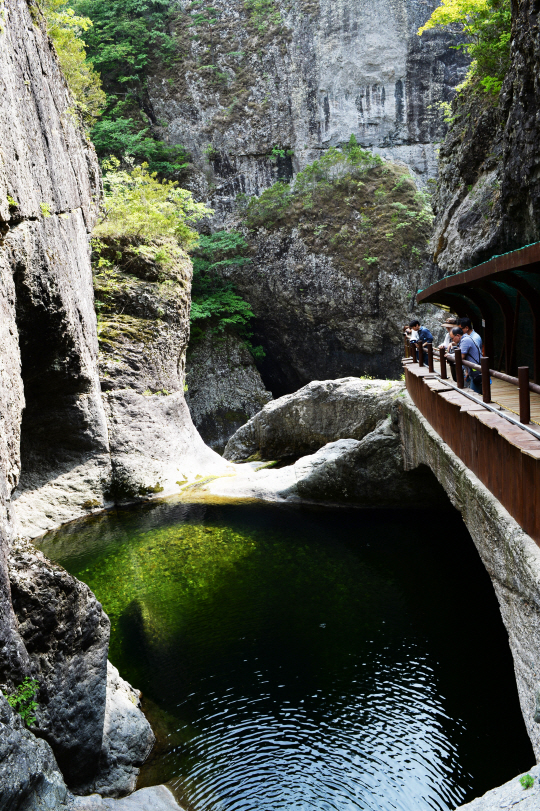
[
  {"x": 522, "y": 382},
  {"x": 503, "y": 452}
]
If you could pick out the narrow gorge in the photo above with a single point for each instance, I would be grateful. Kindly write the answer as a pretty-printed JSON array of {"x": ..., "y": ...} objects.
[{"x": 240, "y": 565}]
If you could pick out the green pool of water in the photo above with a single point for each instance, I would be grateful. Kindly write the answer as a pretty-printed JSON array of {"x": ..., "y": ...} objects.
[{"x": 306, "y": 658}]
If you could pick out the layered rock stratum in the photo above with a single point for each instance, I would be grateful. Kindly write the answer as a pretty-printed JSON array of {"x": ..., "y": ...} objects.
[{"x": 300, "y": 76}]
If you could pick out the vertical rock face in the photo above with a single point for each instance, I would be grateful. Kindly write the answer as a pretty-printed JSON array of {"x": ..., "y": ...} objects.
[
  {"x": 224, "y": 387},
  {"x": 29, "y": 775},
  {"x": 488, "y": 198},
  {"x": 48, "y": 180},
  {"x": 143, "y": 335},
  {"x": 302, "y": 76},
  {"x": 54, "y": 445},
  {"x": 48, "y": 185},
  {"x": 66, "y": 635}
]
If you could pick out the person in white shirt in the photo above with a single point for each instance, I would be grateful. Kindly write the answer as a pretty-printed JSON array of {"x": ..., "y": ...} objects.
[{"x": 449, "y": 325}]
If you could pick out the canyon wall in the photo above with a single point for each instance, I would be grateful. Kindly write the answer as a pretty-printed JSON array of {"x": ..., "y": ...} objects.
[
  {"x": 488, "y": 195},
  {"x": 61, "y": 440},
  {"x": 301, "y": 75},
  {"x": 258, "y": 92}
]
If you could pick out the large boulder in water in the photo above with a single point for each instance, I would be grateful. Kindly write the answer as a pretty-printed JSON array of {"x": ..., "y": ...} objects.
[
  {"x": 321, "y": 412},
  {"x": 127, "y": 738}
]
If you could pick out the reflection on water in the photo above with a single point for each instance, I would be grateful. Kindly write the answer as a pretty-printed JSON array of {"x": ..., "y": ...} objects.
[{"x": 306, "y": 658}]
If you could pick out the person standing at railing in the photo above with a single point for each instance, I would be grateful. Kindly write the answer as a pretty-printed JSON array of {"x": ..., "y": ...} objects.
[
  {"x": 449, "y": 325},
  {"x": 467, "y": 327},
  {"x": 424, "y": 335},
  {"x": 469, "y": 352}
]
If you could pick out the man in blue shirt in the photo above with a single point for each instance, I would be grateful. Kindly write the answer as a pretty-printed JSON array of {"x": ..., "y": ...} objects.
[
  {"x": 469, "y": 352},
  {"x": 468, "y": 329},
  {"x": 424, "y": 335}
]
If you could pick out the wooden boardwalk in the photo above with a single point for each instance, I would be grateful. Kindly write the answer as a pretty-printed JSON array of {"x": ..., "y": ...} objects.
[
  {"x": 504, "y": 456},
  {"x": 505, "y": 395}
]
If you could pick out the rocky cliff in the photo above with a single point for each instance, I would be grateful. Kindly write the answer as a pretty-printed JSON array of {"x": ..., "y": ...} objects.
[
  {"x": 224, "y": 387},
  {"x": 264, "y": 87},
  {"x": 488, "y": 196},
  {"x": 334, "y": 276},
  {"x": 261, "y": 90},
  {"x": 62, "y": 444}
]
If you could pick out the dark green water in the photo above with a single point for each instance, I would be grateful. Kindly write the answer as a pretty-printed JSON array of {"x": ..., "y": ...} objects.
[{"x": 302, "y": 659}]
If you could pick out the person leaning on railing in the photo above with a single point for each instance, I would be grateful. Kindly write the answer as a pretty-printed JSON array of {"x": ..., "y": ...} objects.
[
  {"x": 469, "y": 352},
  {"x": 423, "y": 335}
]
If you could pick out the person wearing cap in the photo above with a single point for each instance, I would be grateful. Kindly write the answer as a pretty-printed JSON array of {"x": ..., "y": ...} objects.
[{"x": 449, "y": 325}]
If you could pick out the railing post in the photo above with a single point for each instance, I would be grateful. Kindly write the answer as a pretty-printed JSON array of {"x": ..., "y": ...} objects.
[
  {"x": 459, "y": 369},
  {"x": 442, "y": 360},
  {"x": 486, "y": 380},
  {"x": 430, "y": 357},
  {"x": 405, "y": 341},
  {"x": 420, "y": 347},
  {"x": 524, "y": 395}
]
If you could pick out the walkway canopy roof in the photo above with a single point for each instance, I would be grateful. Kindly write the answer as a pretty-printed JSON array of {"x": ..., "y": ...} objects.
[{"x": 502, "y": 298}]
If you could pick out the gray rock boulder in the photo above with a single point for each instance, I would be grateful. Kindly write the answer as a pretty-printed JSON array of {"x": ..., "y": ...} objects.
[
  {"x": 156, "y": 798},
  {"x": 127, "y": 738},
  {"x": 321, "y": 412},
  {"x": 66, "y": 634},
  {"x": 510, "y": 795},
  {"x": 30, "y": 779},
  {"x": 224, "y": 387},
  {"x": 368, "y": 472}
]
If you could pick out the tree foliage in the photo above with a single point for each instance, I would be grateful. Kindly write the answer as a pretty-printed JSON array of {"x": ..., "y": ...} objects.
[
  {"x": 125, "y": 38},
  {"x": 335, "y": 164},
  {"x": 139, "y": 207},
  {"x": 65, "y": 28},
  {"x": 487, "y": 26},
  {"x": 215, "y": 305}
]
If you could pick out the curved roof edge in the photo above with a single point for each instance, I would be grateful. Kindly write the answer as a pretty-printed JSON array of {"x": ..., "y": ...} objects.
[{"x": 525, "y": 258}]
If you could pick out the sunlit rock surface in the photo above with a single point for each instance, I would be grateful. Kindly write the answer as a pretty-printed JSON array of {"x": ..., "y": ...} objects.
[
  {"x": 510, "y": 795},
  {"x": 321, "y": 412}
]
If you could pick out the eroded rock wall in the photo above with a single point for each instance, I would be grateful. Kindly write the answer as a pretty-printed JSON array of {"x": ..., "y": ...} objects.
[
  {"x": 488, "y": 196},
  {"x": 301, "y": 76},
  {"x": 224, "y": 387},
  {"x": 143, "y": 337},
  {"x": 49, "y": 182}
]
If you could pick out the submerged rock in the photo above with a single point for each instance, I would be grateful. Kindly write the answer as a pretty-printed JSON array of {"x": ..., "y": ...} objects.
[
  {"x": 321, "y": 412},
  {"x": 224, "y": 387}
]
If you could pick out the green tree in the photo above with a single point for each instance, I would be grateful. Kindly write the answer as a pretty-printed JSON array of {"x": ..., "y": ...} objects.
[
  {"x": 65, "y": 29},
  {"x": 487, "y": 27},
  {"x": 126, "y": 37},
  {"x": 140, "y": 208},
  {"x": 215, "y": 305}
]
